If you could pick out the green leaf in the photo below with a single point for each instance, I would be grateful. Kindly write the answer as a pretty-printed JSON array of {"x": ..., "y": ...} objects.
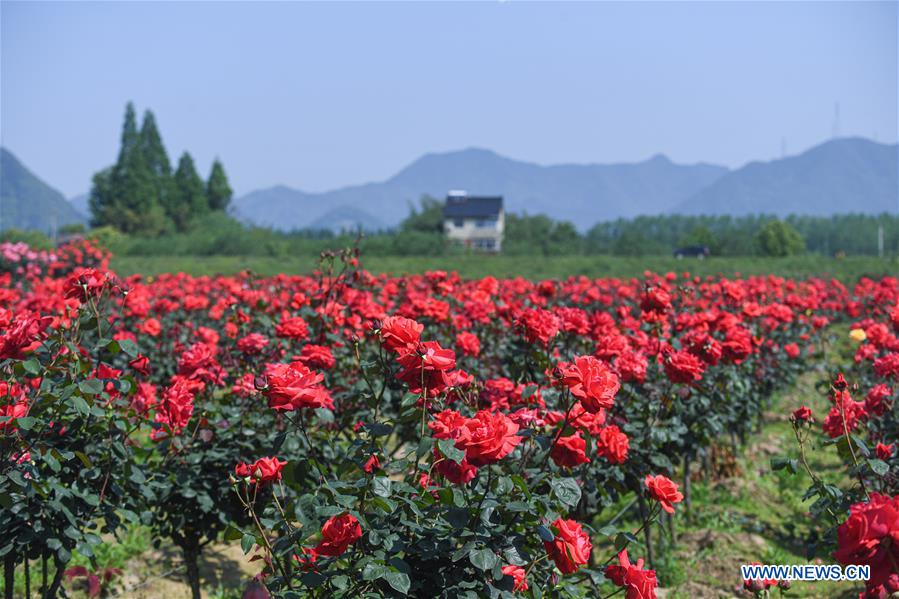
[
  {"x": 32, "y": 366},
  {"x": 483, "y": 559},
  {"x": 25, "y": 423},
  {"x": 81, "y": 405},
  {"x": 232, "y": 534},
  {"x": 129, "y": 347},
  {"x": 448, "y": 448},
  {"x": 381, "y": 486},
  {"x": 373, "y": 571},
  {"x": 545, "y": 534},
  {"x": 52, "y": 462},
  {"x": 623, "y": 539},
  {"x": 780, "y": 463},
  {"x": 879, "y": 467},
  {"x": 424, "y": 446},
  {"x": 247, "y": 542},
  {"x": 91, "y": 386},
  {"x": 398, "y": 580},
  {"x": 566, "y": 490}
]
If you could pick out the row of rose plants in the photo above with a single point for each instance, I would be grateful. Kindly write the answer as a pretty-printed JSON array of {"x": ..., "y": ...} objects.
[
  {"x": 859, "y": 518},
  {"x": 367, "y": 435}
]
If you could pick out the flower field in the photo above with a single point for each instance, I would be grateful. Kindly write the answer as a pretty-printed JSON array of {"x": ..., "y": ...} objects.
[{"x": 364, "y": 435}]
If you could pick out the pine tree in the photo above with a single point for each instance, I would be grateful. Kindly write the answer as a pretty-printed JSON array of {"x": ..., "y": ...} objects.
[
  {"x": 190, "y": 195},
  {"x": 218, "y": 192},
  {"x": 124, "y": 196},
  {"x": 158, "y": 162},
  {"x": 130, "y": 138}
]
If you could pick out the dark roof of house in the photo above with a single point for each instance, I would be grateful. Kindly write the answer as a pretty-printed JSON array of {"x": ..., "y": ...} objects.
[{"x": 472, "y": 206}]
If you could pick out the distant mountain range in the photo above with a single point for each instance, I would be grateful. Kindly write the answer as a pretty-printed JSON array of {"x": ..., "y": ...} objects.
[
  {"x": 583, "y": 194},
  {"x": 843, "y": 175},
  {"x": 838, "y": 176},
  {"x": 28, "y": 203}
]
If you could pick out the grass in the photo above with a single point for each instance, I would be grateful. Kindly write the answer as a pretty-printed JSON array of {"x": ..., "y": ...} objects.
[{"x": 531, "y": 267}]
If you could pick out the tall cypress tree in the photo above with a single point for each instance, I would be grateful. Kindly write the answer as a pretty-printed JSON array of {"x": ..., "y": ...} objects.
[
  {"x": 190, "y": 195},
  {"x": 157, "y": 160},
  {"x": 130, "y": 142},
  {"x": 124, "y": 196},
  {"x": 218, "y": 192}
]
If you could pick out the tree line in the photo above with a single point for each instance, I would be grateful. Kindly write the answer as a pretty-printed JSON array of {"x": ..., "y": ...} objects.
[
  {"x": 421, "y": 234},
  {"x": 763, "y": 235},
  {"x": 141, "y": 195}
]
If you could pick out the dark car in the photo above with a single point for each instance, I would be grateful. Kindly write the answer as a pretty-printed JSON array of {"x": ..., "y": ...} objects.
[{"x": 692, "y": 251}]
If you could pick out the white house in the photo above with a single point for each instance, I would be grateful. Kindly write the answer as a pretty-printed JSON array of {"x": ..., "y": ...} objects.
[{"x": 475, "y": 221}]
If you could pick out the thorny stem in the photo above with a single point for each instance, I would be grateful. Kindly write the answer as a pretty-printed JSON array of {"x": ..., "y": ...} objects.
[
  {"x": 249, "y": 506},
  {"x": 817, "y": 481},
  {"x": 861, "y": 479}
]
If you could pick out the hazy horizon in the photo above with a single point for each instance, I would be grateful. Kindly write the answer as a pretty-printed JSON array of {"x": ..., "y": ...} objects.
[{"x": 283, "y": 94}]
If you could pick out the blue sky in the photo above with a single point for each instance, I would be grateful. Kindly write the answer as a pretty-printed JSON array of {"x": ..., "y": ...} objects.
[{"x": 322, "y": 95}]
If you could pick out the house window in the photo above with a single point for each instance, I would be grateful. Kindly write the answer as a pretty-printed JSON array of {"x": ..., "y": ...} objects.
[
  {"x": 485, "y": 244},
  {"x": 458, "y": 222},
  {"x": 486, "y": 223}
]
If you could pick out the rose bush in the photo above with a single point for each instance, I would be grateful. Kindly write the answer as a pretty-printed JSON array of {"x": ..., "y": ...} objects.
[{"x": 366, "y": 434}]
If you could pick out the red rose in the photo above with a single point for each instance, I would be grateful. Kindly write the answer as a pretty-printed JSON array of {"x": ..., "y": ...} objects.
[
  {"x": 141, "y": 364},
  {"x": 8, "y": 415},
  {"x": 870, "y": 536},
  {"x": 262, "y": 470},
  {"x": 884, "y": 452},
  {"x": 427, "y": 366},
  {"x": 373, "y": 464},
  {"x": 663, "y": 490},
  {"x": 878, "y": 400},
  {"x": 292, "y": 328},
  {"x": 199, "y": 356},
  {"x": 338, "y": 533},
  {"x": 176, "y": 407},
  {"x": 519, "y": 577},
  {"x": 570, "y": 451},
  {"x": 468, "y": 343},
  {"x": 447, "y": 424},
  {"x": 317, "y": 356},
  {"x": 802, "y": 414},
  {"x": 458, "y": 474},
  {"x": 571, "y": 547},
  {"x": 151, "y": 327},
  {"x": 591, "y": 381},
  {"x": 655, "y": 299},
  {"x": 637, "y": 582},
  {"x": 844, "y": 416},
  {"x": 23, "y": 335},
  {"x": 400, "y": 335},
  {"x": 887, "y": 366},
  {"x": 539, "y": 326},
  {"x": 682, "y": 366},
  {"x": 293, "y": 386},
  {"x": 252, "y": 344},
  {"x": 612, "y": 444},
  {"x": 144, "y": 398},
  {"x": 488, "y": 438},
  {"x": 84, "y": 283}
]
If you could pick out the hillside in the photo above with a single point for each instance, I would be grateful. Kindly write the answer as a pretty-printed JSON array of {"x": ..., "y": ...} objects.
[
  {"x": 838, "y": 176},
  {"x": 28, "y": 203},
  {"x": 583, "y": 194}
]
